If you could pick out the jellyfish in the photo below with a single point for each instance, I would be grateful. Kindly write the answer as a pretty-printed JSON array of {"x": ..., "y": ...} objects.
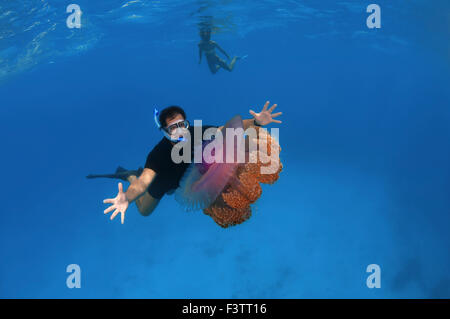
[
  {"x": 226, "y": 191},
  {"x": 203, "y": 182}
]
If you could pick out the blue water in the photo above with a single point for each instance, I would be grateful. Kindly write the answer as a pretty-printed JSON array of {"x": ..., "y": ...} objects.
[{"x": 365, "y": 147}]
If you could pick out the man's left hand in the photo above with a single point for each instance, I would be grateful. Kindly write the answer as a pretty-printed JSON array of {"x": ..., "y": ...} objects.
[{"x": 266, "y": 117}]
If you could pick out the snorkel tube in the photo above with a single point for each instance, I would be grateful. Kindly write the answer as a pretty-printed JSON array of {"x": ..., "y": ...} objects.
[
  {"x": 166, "y": 134},
  {"x": 156, "y": 118}
]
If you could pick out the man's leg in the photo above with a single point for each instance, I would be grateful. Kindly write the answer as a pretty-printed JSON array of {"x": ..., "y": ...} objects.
[
  {"x": 227, "y": 67},
  {"x": 146, "y": 204},
  {"x": 213, "y": 67}
]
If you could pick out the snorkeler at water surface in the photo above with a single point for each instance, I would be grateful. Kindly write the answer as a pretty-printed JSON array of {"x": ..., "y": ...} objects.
[
  {"x": 161, "y": 175},
  {"x": 208, "y": 47}
]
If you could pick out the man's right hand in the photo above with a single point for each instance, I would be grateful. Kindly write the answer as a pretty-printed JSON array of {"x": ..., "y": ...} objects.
[{"x": 119, "y": 204}]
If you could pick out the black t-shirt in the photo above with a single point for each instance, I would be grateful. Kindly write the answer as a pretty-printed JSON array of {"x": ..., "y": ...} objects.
[{"x": 168, "y": 173}]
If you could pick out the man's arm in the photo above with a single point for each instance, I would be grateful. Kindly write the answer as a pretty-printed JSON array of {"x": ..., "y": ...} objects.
[
  {"x": 263, "y": 118},
  {"x": 247, "y": 123},
  {"x": 120, "y": 203},
  {"x": 139, "y": 185},
  {"x": 221, "y": 50}
]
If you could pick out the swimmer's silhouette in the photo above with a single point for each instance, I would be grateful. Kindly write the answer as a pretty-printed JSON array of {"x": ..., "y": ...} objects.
[{"x": 208, "y": 47}]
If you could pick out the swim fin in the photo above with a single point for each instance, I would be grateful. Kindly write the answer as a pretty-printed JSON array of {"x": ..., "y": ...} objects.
[{"x": 121, "y": 173}]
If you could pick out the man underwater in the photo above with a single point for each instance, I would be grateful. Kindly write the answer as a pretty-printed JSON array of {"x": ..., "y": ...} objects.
[
  {"x": 161, "y": 175},
  {"x": 208, "y": 47}
]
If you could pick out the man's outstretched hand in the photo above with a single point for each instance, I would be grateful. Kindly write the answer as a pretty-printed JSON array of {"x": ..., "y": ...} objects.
[
  {"x": 119, "y": 204},
  {"x": 266, "y": 117}
]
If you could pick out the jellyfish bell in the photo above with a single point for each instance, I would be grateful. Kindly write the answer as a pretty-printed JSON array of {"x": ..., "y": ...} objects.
[{"x": 203, "y": 182}]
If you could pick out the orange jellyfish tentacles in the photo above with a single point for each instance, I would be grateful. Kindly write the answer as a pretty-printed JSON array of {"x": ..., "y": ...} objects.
[{"x": 232, "y": 207}]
